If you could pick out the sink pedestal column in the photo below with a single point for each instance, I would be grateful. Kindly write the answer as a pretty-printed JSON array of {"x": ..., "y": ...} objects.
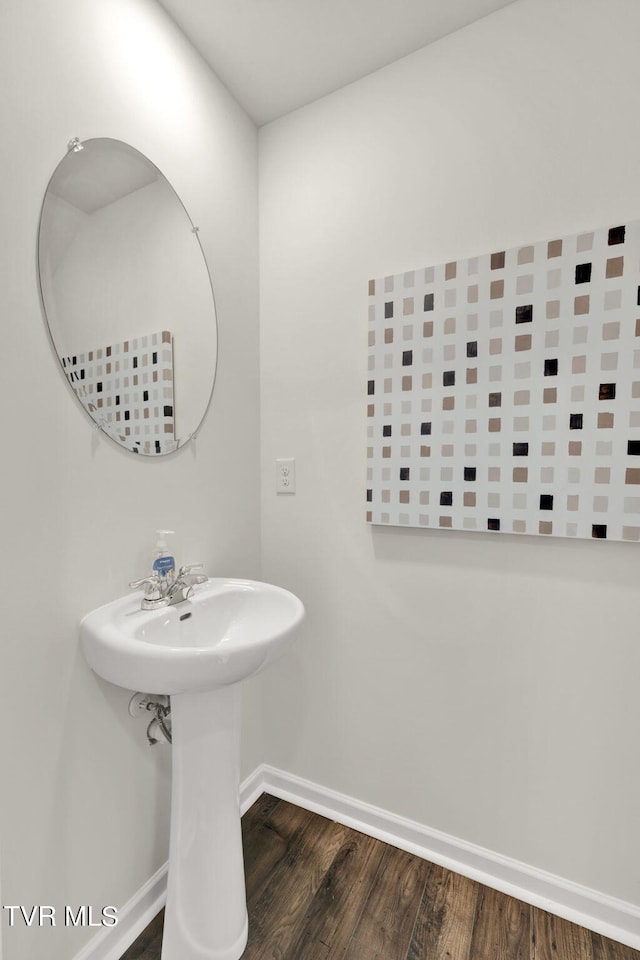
[{"x": 206, "y": 912}]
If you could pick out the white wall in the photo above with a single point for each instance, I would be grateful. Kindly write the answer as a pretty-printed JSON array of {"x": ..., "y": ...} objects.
[
  {"x": 485, "y": 685},
  {"x": 83, "y": 800}
]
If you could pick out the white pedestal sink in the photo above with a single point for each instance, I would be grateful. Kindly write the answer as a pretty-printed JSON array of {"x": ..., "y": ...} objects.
[{"x": 198, "y": 651}]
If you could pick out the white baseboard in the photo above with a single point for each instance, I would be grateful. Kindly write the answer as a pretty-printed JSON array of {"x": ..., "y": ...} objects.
[
  {"x": 596, "y": 911},
  {"x": 111, "y": 942}
]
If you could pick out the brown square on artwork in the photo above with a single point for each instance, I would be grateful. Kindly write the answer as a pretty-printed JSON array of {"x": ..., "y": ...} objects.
[
  {"x": 404, "y": 496},
  {"x": 579, "y": 364},
  {"x": 581, "y": 305},
  {"x": 520, "y": 474},
  {"x": 605, "y": 421},
  {"x": 495, "y": 424},
  {"x": 615, "y": 267},
  {"x": 525, "y": 255},
  {"x": 554, "y": 249},
  {"x": 450, "y": 270},
  {"x": 549, "y": 395},
  {"x": 469, "y": 499},
  {"x": 371, "y": 410},
  {"x": 497, "y": 260},
  {"x": 472, "y": 375},
  {"x": 386, "y": 453},
  {"x": 407, "y": 383},
  {"x": 445, "y": 522},
  {"x": 575, "y": 448},
  {"x": 632, "y": 475},
  {"x": 497, "y": 289},
  {"x": 545, "y": 526},
  {"x": 448, "y": 403},
  {"x": 372, "y": 288},
  {"x": 388, "y": 335},
  {"x": 427, "y": 328},
  {"x": 523, "y": 342},
  {"x": 425, "y": 451}
]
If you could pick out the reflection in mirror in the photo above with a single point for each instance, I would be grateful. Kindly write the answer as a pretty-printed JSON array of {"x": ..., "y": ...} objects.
[{"x": 127, "y": 296}]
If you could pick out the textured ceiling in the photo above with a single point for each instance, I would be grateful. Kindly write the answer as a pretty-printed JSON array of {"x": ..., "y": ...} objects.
[{"x": 277, "y": 55}]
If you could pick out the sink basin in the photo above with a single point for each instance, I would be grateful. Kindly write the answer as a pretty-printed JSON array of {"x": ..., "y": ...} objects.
[
  {"x": 226, "y": 631},
  {"x": 198, "y": 651}
]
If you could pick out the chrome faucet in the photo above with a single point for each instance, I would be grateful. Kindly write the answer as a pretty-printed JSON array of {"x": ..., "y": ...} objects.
[{"x": 164, "y": 591}]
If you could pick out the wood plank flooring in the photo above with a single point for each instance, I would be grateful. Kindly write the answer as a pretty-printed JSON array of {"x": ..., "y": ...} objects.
[{"x": 319, "y": 891}]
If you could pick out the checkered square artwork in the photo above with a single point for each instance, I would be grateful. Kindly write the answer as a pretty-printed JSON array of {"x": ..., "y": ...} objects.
[
  {"x": 127, "y": 388},
  {"x": 504, "y": 391}
]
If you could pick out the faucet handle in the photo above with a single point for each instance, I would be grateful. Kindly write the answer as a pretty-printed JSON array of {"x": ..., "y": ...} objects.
[
  {"x": 186, "y": 571},
  {"x": 188, "y": 567},
  {"x": 151, "y": 579},
  {"x": 152, "y": 586}
]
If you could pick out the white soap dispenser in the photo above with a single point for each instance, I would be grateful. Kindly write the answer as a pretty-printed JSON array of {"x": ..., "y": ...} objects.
[{"x": 163, "y": 562}]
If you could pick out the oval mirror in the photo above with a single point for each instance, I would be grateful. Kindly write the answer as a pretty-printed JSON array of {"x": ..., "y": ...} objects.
[{"x": 127, "y": 296}]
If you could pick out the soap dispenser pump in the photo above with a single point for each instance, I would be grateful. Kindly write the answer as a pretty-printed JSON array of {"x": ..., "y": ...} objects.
[{"x": 163, "y": 562}]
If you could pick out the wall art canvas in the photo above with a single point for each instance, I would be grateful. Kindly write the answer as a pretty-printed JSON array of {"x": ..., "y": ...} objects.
[
  {"x": 127, "y": 388},
  {"x": 504, "y": 391}
]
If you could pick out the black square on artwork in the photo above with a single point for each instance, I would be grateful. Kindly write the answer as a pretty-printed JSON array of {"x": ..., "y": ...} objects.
[
  {"x": 599, "y": 531},
  {"x": 583, "y": 273},
  {"x": 428, "y": 302},
  {"x": 493, "y": 524},
  {"x": 168, "y": 410},
  {"x": 524, "y": 314},
  {"x": 405, "y": 473},
  {"x": 633, "y": 448},
  {"x": 551, "y": 368},
  {"x": 369, "y": 496},
  {"x": 607, "y": 391},
  {"x": 388, "y": 310},
  {"x": 616, "y": 235},
  {"x": 99, "y": 387},
  {"x": 546, "y": 501},
  {"x": 407, "y": 358},
  {"x": 425, "y": 429},
  {"x": 446, "y": 498},
  {"x": 521, "y": 449},
  {"x": 575, "y": 421},
  {"x": 371, "y": 387},
  {"x": 472, "y": 348},
  {"x": 386, "y": 430},
  {"x": 469, "y": 473},
  {"x": 449, "y": 378}
]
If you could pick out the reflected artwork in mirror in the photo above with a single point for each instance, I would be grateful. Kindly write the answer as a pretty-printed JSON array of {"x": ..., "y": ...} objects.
[{"x": 127, "y": 296}]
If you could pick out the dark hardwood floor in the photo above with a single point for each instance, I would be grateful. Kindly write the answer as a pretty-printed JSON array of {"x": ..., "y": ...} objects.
[{"x": 319, "y": 891}]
